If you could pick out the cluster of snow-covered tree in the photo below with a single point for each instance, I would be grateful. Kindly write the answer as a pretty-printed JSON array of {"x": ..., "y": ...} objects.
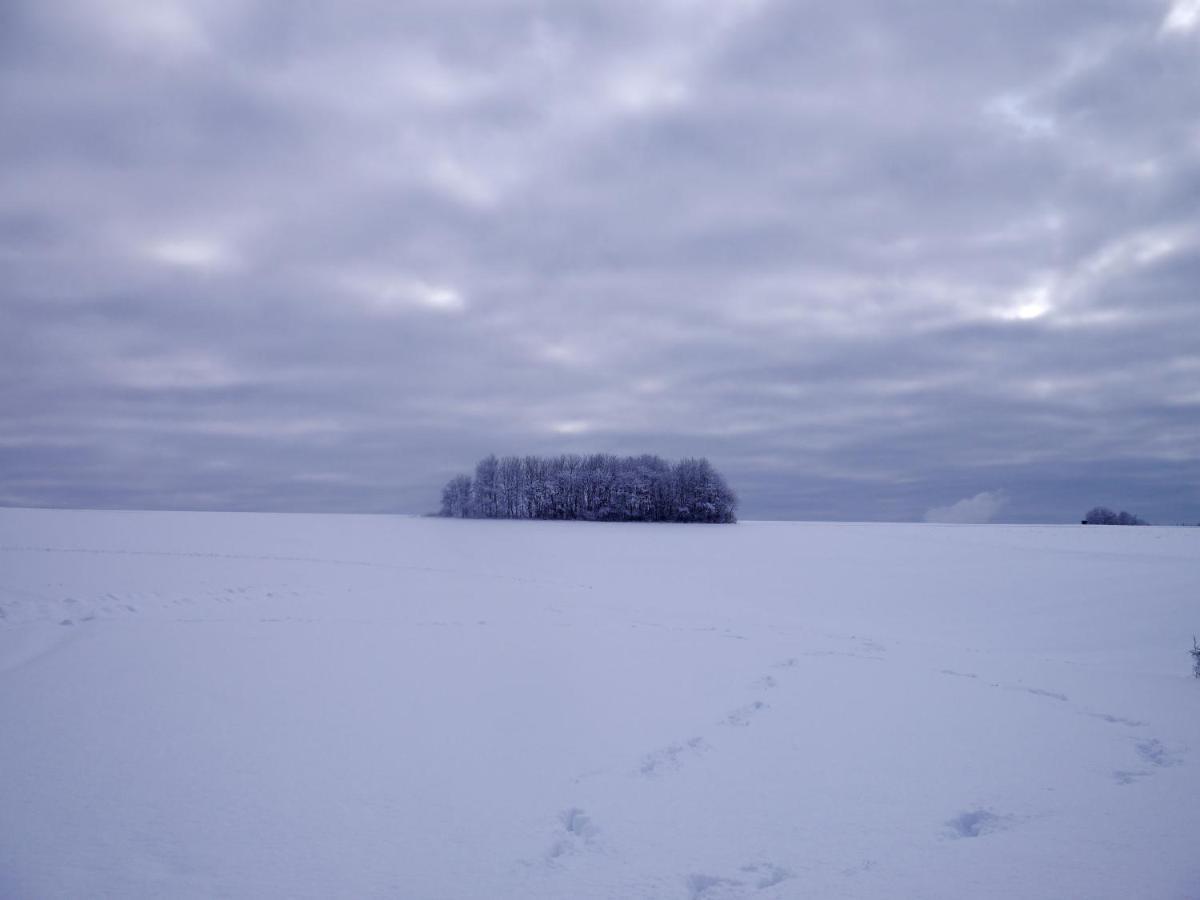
[
  {"x": 600, "y": 487},
  {"x": 1102, "y": 515}
]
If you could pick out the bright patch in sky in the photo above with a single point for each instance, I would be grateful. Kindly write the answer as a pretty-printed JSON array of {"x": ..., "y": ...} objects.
[
  {"x": 571, "y": 427},
  {"x": 160, "y": 28},
  {"x": 438, "y": 297},
  {"x": 389, "y": 294},
  {"x": 462, "y": 183},
  {"x": 1015, "y": 111},
  {"x": 189, "y": 253},
  {"x": 1184, "y": 16},
  {"x": 646, "y": 91},
  {"x": 1031, "y": 311},
  {"x": 1032, "y": 303}
]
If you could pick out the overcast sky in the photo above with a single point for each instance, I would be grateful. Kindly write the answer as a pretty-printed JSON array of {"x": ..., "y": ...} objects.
[{"x": 878, "y": 260}]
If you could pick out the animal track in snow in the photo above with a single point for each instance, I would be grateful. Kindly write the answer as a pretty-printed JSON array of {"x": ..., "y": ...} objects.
[
  {"x": 1125, "y": 776},
  {"x": 672, "y": 757},
  {"x": 742, "y": 716},
  {"x": 578, "y": 831},
  {"x": 767, "y": 874},
  {"x": 1040, "y": 692},
  {"x": 29, "y": 606},
  {"x": 700, "y": 885},
  {"x": 975, "y": 823},
  {"x": 1036, "y": 691},
  {"x": 1155, "y": 753},
  {"x": 578, "y": 823},
  {"x": 758, "y": 876},
  {"x": 842, "y": 653},
  {"x": 371, "y": 564},
  {"x": 865, "y": 866},
  {"x": 1116, "y": 720}
]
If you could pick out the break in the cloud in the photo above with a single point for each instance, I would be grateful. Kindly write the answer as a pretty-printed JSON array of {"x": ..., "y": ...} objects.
[
  {"x": 866, "y": 257},
  {"x": 984, "y": 507}
]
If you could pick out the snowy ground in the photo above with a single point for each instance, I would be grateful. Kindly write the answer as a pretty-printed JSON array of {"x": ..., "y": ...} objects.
[{"x": 256, "y": 706}]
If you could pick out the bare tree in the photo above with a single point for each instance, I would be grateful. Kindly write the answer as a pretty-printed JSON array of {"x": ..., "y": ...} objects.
[
  {"x": 456, "y": 497},
  {"x": 484, "y": 502}
]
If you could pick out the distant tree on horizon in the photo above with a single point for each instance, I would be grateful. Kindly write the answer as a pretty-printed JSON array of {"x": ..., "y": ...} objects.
[
  {"x": 456, "y": 497},
  {"x": 1102, "y": 515},
  {"x": 599, "y": 487}
]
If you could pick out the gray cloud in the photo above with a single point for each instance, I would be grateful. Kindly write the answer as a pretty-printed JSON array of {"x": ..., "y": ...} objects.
[{"x": 866, "y": 258}]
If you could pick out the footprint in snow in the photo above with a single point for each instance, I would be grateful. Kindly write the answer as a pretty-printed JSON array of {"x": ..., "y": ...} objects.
[
  {"x": 578, "y": 823},
  {"x": 577, "y": 831},
  {"x": 1152, "y": 752},
  {"x": 1125, "y": 776},
  {"x": 843, "y": 653},
  {"x": 1116, "y": 720},
  {"x": 757, "y": 876},
  {"x": 1037, "y": 692},
  {"x": 1158, "y": 754},
  {"x": 865, "y": 866},
  {"x": 767, "y": 874},
  {"x": 672, "y": 757},
  {"x": 1040, "y": 692},
  {"x": 976, "y": 823},
  {"x": 742, "y": 716},
  {"x": 709, "y": 886}
]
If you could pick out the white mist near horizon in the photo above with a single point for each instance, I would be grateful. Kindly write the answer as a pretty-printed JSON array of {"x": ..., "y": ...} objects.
[{"x": 978, "y": 510}]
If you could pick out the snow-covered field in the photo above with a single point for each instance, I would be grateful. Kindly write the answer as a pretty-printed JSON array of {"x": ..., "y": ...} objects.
[{"x": 261, "y": 706}]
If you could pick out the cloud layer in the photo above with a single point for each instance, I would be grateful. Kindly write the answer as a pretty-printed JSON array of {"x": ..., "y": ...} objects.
[{"x": 865, "y": 257}]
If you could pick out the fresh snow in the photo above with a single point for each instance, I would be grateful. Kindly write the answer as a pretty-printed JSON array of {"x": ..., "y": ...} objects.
[{"x": 200, "y": 705}]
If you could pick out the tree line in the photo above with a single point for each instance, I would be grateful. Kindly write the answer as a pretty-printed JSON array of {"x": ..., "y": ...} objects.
[
  {"x": 600, "y": 487},
  {"x": 1102, "y": 515}
]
